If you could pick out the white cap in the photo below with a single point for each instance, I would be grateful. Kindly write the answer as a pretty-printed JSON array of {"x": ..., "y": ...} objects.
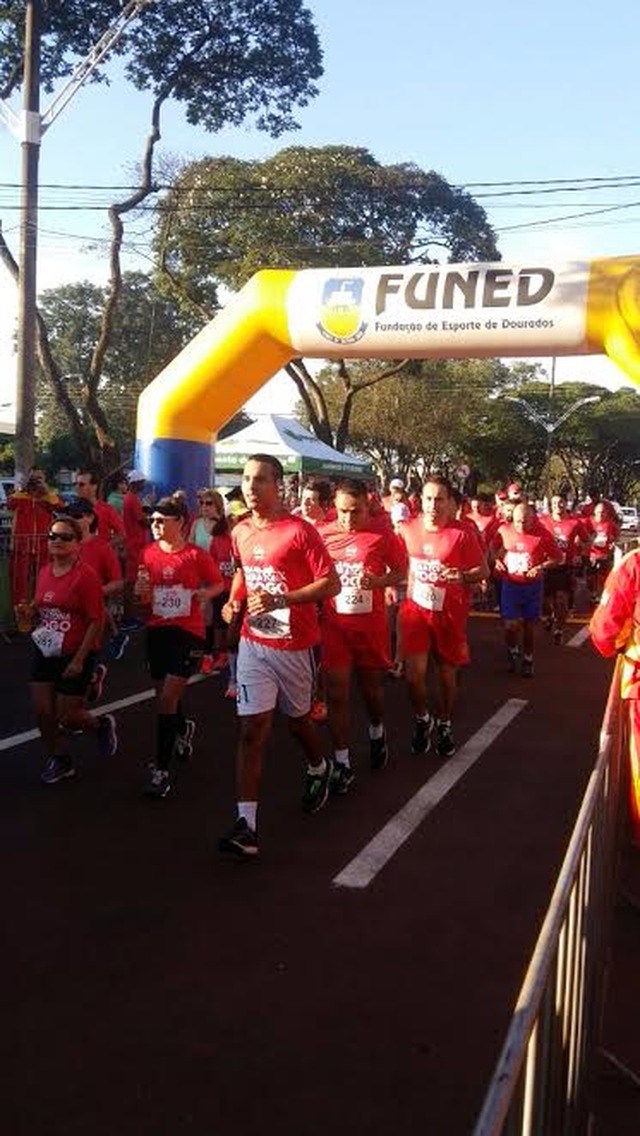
[
  {"x": 136, "y": 476},
  {"x": 396, "y": 483},
  {"x": 400, "y": 512}
]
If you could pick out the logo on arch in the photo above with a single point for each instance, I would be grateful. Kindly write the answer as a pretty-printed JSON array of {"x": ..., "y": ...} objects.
[{"x": 341, "y": 310}]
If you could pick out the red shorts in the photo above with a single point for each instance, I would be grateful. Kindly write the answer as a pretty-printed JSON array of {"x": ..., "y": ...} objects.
[
  {"x": 343, "y": 647},
  {"x": 442, "y": 632}
]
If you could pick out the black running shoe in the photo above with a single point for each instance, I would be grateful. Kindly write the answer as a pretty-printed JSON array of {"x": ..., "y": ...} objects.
[
  {"x": 513, "y": 660},
  {"x": 378, "y": 752},
  {"x": 342, "y": 778},
  {"x": 421, "y": 737},
  {"x": 241, "y": 841},
  {"x": 183, "y": 745},
  {"x": 444, "y": 745},
  {"x": 158, "y": 784},
  {"x": 526, "y": 669},
  {"x": 57, "y": 769},
  {"x": 316, "y": 788}
]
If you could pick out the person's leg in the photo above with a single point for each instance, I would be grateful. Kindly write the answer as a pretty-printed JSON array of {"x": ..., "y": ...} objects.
[
  {"x": 560, "y": 612},
  {"x": 447, "y": 689},
  {"x": 43, "y": 700},
  {"x": 372, "y": 690},
  {"x": 416, "y": 677},
  {"x": 337, "y": 682}
]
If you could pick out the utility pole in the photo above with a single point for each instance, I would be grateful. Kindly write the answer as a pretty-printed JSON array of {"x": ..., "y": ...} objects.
[
  {"x": 30, "y": 143},
  {"x": 30, "y": 127}
]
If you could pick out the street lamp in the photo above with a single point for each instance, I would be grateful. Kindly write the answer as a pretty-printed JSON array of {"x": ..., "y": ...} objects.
[{"x": 550, "y": 427}]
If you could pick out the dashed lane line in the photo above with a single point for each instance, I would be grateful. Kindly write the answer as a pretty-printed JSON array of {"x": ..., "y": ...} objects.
[
  {"x": 142, "y": 696},
  {"x": 376, "y": 854},
  {"x": 579, "y": 638}
]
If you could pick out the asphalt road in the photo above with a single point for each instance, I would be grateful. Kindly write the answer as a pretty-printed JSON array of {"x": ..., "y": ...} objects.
[{"x": 153, "y": 987}]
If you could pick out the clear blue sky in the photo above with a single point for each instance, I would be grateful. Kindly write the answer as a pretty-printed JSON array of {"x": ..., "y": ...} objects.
[{"x": 481, "y": 93}]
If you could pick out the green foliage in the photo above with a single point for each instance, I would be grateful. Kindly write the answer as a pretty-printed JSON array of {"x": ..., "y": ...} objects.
[
  {"x": 226, "y": 61},
  {"x": 225, "y": 219},
  {"x": 149, "y": 331}
]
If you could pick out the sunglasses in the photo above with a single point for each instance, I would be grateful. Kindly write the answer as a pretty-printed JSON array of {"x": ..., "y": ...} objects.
[
  {"x": 63, "y": 536},
  {"x": 163, "y": 520}
]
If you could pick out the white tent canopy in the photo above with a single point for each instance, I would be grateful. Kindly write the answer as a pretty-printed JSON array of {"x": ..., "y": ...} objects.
[{"x": 283, "y": 437}]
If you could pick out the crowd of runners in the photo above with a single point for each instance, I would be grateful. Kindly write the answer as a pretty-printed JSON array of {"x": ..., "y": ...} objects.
[{"x": 293, "y": 598}]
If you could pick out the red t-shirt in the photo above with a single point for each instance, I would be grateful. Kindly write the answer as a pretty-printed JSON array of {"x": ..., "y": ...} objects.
[
  {"x": 487, "y": 526},
  {"x": 429, "y": 553},
  {"x": 135, "y": 526},
  {"x": 110, "y": 522},
  {"x": 222, "y": 552},
  {"x": 569, "y": 534},
  {"x": 175, "y": 577},
  {"x": 603, "y": 537},
  {"x": 521, "y": 551},
  {"x": 374, "y": 550},
  {"x": 100, "y": 556},
  {"x": 280, "y": 557},
  {"x": 66, "y": 606}
]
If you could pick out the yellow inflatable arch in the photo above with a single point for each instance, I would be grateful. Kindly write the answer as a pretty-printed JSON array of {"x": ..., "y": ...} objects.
[{"x": 453, "y": 311}]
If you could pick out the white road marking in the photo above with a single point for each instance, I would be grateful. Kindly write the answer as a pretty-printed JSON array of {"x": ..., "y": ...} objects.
[
  {"x": 376, "y": 854},
  {"x": 143, "y": 696},
  {"x": 579, "y": 638}
]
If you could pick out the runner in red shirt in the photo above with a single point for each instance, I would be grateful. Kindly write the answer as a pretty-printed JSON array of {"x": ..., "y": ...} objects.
[
  {"x": 110, "y": 523},
  {"x": 615, "y": 630},
  {"x": 69, "y": 609},
  {"x": 444, "y": 560},
  {"x": 102, "y": 558},
  {"x": 524, "y": 550},
  {"x": 174, "y": 580},
  {"x": 354, "y": 625},
  {"x": 603, "y": 531},
  {"x": 571, "y": 536},
  {"x": 283, "y": 573}
]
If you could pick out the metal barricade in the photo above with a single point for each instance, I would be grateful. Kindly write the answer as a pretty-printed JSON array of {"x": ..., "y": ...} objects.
[
  {"x": 21, "y": 557},
  {"x": 540, "y": 1085}
]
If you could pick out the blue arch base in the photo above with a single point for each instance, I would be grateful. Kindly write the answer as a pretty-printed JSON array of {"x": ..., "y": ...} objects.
[{"x": 170, "y": 464}]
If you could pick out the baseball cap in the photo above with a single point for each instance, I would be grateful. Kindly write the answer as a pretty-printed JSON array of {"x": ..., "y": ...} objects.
[
  {"x": 135, "y": 477},
  {"x": 169, "y": 507},
  {"x": 396, "y": 483},
  {"x": 80, "y": 508}
]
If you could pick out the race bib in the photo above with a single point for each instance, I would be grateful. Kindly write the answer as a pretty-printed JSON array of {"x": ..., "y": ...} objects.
[
  {"x": 600, "y": 540},
  {"x": 517, "y": 563},
  {"x": 428, "y": 596},
  {"x": 354, "y": 601},
  {"x": 171, "y": 601},
  {"x": 49, "y": 642},
  {"x": 271, "y": 624}
]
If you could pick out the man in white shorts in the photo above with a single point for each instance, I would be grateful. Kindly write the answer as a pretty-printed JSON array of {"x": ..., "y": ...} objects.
[{"x": 283, "y": 573}]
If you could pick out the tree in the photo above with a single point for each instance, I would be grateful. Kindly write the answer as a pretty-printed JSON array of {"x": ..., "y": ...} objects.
[
  {"x": 223, "y": 219},
  {"x": 426, "y": 418},
  {"x": 226, "y": 61},
  {"x": 149, "y": 330}
]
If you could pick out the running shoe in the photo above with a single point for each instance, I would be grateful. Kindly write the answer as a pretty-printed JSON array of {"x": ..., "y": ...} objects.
[
  {"x": 421, "y": 737},
  {"x": 318, "y": 712},
  {"x": 558, "y": 637},
  {"x": 342, "y": 778},
  {"x": 57, "y": 769},
  {"x": 118, "y": 644},
  {"x": 527, "y": 667},
  {"x": 107, "y": 735},
  {"x": 158, "y": 784},
  {"x": 241, "y": 841},
  {"x": 513, "y": 659},
  {"x": 183, "y": 745},
  {"x": 96, "y": 685},
  {"x": 378, "y": 752},
  {"x": 132, "y": 625},
  {"x": 231, "y": 691},
  {"x": 444, "y": 744},
  {"x": 316, "y": 788}
]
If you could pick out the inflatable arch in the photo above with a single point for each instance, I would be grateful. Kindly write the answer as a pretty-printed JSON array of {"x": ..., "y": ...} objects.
[{"x": 419, "y": 311}]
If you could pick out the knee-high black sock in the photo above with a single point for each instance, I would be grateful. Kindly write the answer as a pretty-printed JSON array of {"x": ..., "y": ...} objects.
[{"x": 167, "y": 729}]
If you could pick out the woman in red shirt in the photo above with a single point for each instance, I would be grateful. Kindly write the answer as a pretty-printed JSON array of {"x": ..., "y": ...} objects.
[{"x": 69, "y": 611}]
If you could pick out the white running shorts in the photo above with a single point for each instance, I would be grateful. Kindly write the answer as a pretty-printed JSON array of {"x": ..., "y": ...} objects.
[{"x": 268, "y": 677}]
